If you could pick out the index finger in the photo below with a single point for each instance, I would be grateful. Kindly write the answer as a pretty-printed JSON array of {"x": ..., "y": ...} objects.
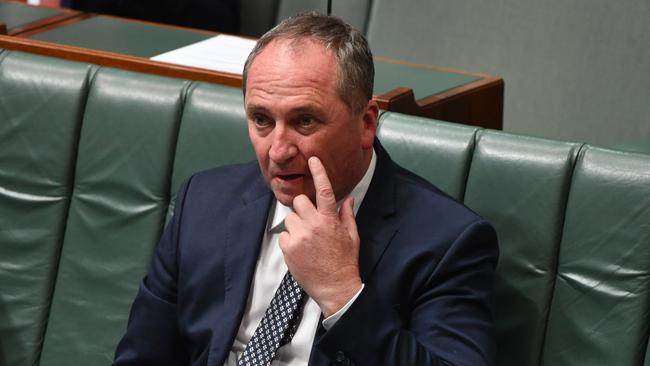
[{"x": 325, "y": 199}]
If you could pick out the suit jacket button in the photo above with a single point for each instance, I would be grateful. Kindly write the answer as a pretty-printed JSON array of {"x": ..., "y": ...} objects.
[{"x": 340, "y": 356}]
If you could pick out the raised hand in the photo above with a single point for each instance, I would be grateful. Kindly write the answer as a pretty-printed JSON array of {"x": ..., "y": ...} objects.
[{"x": 321, "y": 244}]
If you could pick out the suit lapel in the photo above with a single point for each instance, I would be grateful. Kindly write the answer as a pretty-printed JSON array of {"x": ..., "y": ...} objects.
[
  {"x": 245, "y": 229},
  {"x": 376, "y": 219}
]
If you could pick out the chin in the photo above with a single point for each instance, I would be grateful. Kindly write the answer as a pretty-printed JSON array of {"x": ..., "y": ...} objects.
[
  {"x": 287, "y": 198},
  {"x": 284, "y": 198}
]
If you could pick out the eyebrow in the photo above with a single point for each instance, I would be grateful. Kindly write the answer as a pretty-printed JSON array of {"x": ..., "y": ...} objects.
[
  {"x": 309, "y": 108},
  {"x": 253, "y": 108}
]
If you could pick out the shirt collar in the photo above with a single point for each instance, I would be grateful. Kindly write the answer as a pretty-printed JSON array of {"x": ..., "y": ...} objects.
[{"x": 280, "y": 211}]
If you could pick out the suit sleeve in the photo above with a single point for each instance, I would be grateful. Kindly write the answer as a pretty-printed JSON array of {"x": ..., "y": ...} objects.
[
  {"x": 446, "y": 322},
  {"x": 152, "y": 336}
]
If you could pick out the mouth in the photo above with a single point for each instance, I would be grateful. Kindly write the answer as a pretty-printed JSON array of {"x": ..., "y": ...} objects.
[{"x": 290, "y": 177}]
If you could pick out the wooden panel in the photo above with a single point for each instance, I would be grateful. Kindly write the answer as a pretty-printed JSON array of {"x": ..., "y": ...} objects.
[
  {"x": 117, "y": 60},
  {"x": 478, "y": 103}
]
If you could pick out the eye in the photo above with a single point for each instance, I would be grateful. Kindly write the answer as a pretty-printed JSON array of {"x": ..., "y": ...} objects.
[
  {"x": 261, "y": 121},
  {"x": 306, "y": 121}
]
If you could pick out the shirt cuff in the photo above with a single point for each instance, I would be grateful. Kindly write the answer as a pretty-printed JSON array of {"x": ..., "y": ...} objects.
[{"x": 332, "y": 319}]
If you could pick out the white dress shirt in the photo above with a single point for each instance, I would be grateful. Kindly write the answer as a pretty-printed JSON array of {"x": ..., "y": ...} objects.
[{"x": 269, "y": 271}]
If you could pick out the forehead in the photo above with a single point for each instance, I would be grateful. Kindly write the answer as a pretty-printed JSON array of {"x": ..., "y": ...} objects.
[
  {"x": 292, "y": 61},
  {"x": 295, "y": 49}
]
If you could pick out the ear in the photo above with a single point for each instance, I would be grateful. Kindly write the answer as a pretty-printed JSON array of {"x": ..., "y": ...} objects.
[{"x": 369, "y": 121}]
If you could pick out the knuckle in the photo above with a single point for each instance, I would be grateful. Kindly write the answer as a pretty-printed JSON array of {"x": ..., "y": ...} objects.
[
  {"x": 326, "y": 192},
  {"x": 306, "y": 236}
]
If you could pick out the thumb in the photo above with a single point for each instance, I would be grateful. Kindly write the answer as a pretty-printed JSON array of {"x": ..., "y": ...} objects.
[{"x": 346, "y": 215}]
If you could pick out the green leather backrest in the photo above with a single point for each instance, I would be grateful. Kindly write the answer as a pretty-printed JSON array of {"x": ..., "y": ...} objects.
[
  {"x": 118, "y": 206},
  {"x": 573, "y": 222},
  {"x": 600, "y": 314},
  {"x": 440, "y": 152},
  {"x": 211, "y": 112},
  {"x": 41, "y": 105},
  {"x": 520, "y": 185},
  {"x": 91, "y": 158}
]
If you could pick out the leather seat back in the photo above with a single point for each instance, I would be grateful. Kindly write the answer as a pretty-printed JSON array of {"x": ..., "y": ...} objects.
[
  {"x": 90, "y": 159},
  {"x": 120, "y": 194},
  {"x": 573, "y": 277},
  {"x": 599, "y": 313},
  {"x": 520, "y": 184},
  {"x": 438, "y": 152},
  {"x": 41, "y": 107},
  {"x": 211, "y": 113}
]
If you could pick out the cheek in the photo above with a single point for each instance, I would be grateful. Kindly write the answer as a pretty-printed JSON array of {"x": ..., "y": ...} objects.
[
  {"x": 258, "y": 142},
  {"x": 261, "y": 151},
  {"x": 336, "y": 162},
  {"x": 308, "y": 146}
]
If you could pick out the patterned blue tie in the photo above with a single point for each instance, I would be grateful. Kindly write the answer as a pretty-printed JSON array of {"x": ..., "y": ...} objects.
[{"x": 278, "y": 325}]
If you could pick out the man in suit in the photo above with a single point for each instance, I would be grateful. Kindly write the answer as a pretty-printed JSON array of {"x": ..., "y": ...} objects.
[{"x": 391, "y": 270}]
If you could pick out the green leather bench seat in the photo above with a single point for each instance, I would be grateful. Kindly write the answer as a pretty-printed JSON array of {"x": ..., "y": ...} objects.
[
  {"x": 440, "y": 152},
  {"x": 599, "y": 313},
  {"x": 118, "y": 206},
  {"x": 90, "y": 159},
  {"x": 41, "y": 106},
  {"x": 520, "y": 184},
  {"x": 200, "y": 142}
]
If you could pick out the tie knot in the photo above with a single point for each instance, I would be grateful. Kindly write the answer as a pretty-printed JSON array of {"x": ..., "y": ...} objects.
[{"x": 277, "y": 228}]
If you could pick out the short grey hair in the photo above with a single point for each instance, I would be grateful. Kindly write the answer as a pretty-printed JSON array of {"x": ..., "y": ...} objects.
[{"x": 349, "y": 47}]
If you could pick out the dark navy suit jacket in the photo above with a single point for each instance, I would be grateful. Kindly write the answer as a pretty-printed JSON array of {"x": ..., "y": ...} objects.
[{"x": 427, "y": 263}]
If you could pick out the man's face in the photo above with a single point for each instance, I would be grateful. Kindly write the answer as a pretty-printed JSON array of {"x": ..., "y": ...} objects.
[{"x": 294, "y": 112}]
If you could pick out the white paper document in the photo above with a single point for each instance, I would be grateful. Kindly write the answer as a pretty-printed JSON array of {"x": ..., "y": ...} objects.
[{"x": 221, "y": 53}]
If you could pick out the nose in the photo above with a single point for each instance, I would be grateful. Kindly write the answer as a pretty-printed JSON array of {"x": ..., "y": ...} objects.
[{"x": 282, "y": 149}]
